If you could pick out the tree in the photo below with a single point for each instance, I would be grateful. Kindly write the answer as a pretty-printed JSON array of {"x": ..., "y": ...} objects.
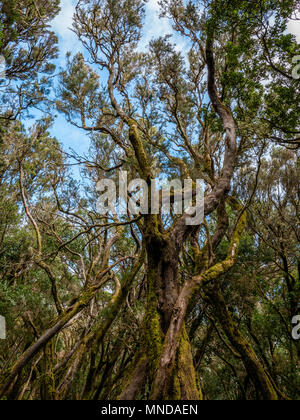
[
  {"x": 149, "y": 306},
  {"x": 28, "y": 46}
]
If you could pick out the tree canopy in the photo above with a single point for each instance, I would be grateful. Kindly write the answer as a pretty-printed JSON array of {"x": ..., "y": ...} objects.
[{"x": 148, "y": 307}]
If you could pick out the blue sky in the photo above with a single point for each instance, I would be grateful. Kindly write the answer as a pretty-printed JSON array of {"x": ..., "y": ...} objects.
[
  {"x": 70, "y": 136},
  {"x": 75, "y": 138}
]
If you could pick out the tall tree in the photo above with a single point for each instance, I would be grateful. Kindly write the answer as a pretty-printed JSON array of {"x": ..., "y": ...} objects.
[{"x": 151, "y": 306}]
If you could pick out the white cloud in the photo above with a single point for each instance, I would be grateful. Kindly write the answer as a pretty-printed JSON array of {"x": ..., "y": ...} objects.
[
  {"x": 155, "y": 26},
  {"x": 153, "y": 4},
  {"x": 294, "y": 28},
  {"x": 62, "y": 25}
]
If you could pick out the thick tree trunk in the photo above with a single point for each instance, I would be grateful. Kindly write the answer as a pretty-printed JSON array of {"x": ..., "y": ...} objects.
[
  {"x": 179, "y": 381},
  {"x": 48, "y": 390}
]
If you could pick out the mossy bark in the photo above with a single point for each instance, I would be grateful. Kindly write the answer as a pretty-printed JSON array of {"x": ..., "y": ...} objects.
[
  {"x": 163, "y": 291},
  {"x": 182, "y": 383},
  {"x": 48, "y": 390}
]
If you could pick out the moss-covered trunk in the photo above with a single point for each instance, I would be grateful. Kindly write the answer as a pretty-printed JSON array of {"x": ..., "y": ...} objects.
[
  {"x": 48, "y": 391},
  {"x": 179, "y": 381}
]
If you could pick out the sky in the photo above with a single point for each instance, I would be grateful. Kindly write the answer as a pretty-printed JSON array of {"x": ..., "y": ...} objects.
[
  {"x": 154, "y": 26},
  {"x": 70, "y": 136}
]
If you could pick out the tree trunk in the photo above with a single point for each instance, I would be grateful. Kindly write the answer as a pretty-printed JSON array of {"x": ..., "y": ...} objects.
[
  {"x": 180, "y": 382},
  {"x": 48, "y": 390}
]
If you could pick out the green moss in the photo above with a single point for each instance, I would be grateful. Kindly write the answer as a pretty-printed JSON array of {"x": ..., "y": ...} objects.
[
  {"x": 190, "y": 389},
  {"x": 152, "y": 330},
  {"x": 136, "y": 141},
  {"x": 48, "y": 382}
]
